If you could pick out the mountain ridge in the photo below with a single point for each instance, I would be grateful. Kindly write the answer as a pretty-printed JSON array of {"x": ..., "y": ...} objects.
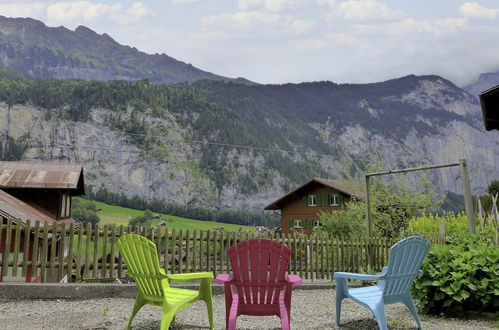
[{"x": 34, "y": 49}]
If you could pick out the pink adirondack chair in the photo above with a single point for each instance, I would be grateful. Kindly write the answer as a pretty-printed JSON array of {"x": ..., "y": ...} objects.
[{"x": 259, "y": 285}]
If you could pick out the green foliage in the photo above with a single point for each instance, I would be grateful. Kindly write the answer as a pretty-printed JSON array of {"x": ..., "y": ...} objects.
[
  {"x": 493, "y": 188},
  {"x": 395, "y": 203},
  {"x": 142, "y": 220},
  {"x": 452, "y": 202},
  {"x": 455, "y": 224},
  {"x": 345, "y": 223},
  {"x": 84, "y": 211},
  {"x": 462, "y": 276}
]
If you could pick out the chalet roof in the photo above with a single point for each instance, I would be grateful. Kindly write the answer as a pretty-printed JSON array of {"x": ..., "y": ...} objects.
[
  {"x": 14, "y": 208},
  {"x": 336, "y": 185},
  {"x": 41, "y": 175},
  {"x": 489, "y": 100}
]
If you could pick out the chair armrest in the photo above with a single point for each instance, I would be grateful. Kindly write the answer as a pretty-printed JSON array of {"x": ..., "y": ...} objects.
[
  {"x": 222, "y": 278},
  {"x": 190, "y": 276},
  {"x": 295, "y": 279},
  {"x": 354, "y": 276}
]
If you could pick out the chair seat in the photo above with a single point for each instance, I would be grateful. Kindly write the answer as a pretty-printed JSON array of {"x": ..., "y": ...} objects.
[
  {"x": 369, "y": 295},
  {"x": 175, "y": 295}
]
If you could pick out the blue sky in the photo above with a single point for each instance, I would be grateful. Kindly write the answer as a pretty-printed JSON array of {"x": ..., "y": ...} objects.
[{"x": 279, "y": 41}]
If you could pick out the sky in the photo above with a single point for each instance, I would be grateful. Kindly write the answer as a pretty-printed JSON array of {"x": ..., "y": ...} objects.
[{"x": 280, "y": 41}]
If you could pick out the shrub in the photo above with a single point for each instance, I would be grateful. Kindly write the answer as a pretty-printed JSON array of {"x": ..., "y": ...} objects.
[
  {"x": 84, "y": 211},
  {"x": 348, "y": 222},
  {"x": 143, "y": 220},
  {"x": 455, "y": 224},
  {"x": 462, "y": 276}
]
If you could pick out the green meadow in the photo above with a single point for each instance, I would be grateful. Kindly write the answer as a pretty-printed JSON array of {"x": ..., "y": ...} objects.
[{"x": 121, "y": 216}]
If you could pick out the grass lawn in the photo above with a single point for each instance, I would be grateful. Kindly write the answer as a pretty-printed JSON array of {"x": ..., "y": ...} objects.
[{"x": 121, "y": 216}]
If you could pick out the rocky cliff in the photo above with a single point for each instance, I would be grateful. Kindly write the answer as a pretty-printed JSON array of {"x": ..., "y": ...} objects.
[{"x": 226, "y": 145}]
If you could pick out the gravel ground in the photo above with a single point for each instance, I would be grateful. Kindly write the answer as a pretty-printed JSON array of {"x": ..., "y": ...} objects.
[{"x": 312, "y": 309}]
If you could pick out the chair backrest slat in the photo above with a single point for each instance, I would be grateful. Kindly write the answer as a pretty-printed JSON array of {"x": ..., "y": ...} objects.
[
  {"x": 141, "y": 258},
  {"x": 258, "y": 261},
  {"x": 404, "y": 264}
]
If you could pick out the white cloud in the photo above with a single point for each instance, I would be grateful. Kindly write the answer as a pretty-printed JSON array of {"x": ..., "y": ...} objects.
[
  {"x": 366, "y": 9},
  {"x": 87, "y": 11},
  {"x": 473, "y": 9},
  {"x": 411, "y": 26},
  {"x": 34, "y": 9},
  {"x": 185, "y": 1},
  {"x": 272, "y": 5},
  {"x": 257, "y": 21},
  {"x": 136, "y": 13},
  {"x": 299, "y": 26},
  {"x": 329, "y": 3},
  {"x": 327, "y": 41}
]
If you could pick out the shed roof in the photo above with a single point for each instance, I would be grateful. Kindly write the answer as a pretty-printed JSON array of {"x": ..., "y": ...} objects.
[
  {"x": 14, "y": 208},
  {"x": 489, "y": 100},
  {"x": 326, "y": 182},
  {"x": 41, "y": 175}
]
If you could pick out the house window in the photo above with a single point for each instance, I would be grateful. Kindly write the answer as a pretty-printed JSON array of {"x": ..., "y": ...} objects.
[
  {"x": 312, "y": 201},
  {"x": 333, "y": 200},
  {"x": 317, "y": 224},
  {"x": 297, "y": 223}
]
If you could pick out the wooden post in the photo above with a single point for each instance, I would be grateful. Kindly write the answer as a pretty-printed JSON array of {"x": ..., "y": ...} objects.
[
  {"x": 368, "y": 208},
  {"x": 468, "y": 203}
]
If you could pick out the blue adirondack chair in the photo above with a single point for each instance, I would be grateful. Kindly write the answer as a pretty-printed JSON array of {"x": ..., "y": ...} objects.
[{"x": 394, "y": 281}]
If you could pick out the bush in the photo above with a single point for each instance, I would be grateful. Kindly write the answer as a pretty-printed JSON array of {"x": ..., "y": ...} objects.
[
  {"x": 84, "y": 211},
  {"x": 455, "y": 224},
  {"x": 462, "y": 276},
  {"x": 349, "y": 222},
  {"x": 143, "y": 220}
]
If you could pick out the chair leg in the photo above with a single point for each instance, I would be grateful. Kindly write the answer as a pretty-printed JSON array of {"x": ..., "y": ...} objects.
[
  {"x": 167, "y": 317},
  {"x": 341, "y": 290},
  {"x": 232, "y": 315},
  {"x": 409, "y": 303},
  {"x": 284, "y": 315},
  {"x": 139, "y": 302},
  {"x": 209, "y": 307},
  {"x": 379, "y": 314}
]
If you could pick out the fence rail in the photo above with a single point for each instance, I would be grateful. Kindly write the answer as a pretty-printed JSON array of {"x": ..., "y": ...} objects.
[{"x": 48, "y": 254}]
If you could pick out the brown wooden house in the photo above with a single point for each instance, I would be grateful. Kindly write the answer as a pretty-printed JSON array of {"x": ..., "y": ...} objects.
[
  {"x": 37, "y": 192},
  {"x": 300, "y": 208}
]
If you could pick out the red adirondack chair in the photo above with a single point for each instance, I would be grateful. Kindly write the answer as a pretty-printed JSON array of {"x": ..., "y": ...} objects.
[{"x": 259, "y": 285}]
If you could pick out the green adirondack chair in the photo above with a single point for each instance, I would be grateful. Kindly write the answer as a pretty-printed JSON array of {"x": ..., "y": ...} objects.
[{"x": 142, "y": 262}]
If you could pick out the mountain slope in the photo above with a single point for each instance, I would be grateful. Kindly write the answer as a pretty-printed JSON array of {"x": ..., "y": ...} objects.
[
  {"x": 226, "y": 145},
  {"x": 33, "y": 49}
]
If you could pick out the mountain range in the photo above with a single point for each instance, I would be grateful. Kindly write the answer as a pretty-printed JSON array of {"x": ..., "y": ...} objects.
[{"x": 155, "y": 127}]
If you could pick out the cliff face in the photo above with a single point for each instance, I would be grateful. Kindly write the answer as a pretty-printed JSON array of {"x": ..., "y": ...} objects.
[{"x": 406, "y": 122}]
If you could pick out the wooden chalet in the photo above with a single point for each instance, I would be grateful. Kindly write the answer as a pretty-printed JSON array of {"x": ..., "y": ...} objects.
[
  {"x": 301, "y": 207},
  {"x": 37, "y": 192}
]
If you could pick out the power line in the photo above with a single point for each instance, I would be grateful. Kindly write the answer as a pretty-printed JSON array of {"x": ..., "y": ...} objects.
[{"x": 220, "y": 144}]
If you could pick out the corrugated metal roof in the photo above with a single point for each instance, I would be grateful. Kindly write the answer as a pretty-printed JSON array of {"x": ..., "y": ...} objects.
[
  {"x": 327, "y": 182},
  {"x": 40, "y": 175}
]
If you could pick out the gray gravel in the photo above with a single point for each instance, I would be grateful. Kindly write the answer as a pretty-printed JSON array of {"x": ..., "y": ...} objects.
[{"x": 312, "y": 309}]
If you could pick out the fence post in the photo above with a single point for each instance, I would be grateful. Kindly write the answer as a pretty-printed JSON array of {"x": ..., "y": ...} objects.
[{"x": 468, "y": 202}]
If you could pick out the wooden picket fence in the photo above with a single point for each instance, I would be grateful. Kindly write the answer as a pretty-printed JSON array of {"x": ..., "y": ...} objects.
[{"x": 90, "y": 254}]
